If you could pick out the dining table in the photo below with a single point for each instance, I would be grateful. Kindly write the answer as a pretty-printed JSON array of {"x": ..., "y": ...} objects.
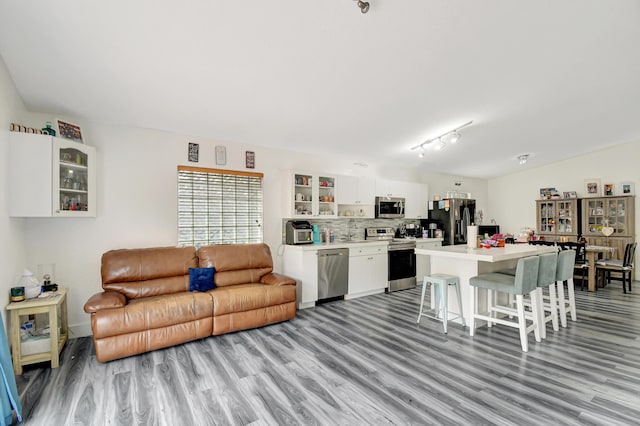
[{"x": 593, "y": 252}]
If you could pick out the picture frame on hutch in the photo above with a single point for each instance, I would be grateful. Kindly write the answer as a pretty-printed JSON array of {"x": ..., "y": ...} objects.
[
  {"x": 592, "y": 188},
  {"x": 69, "y": 131},
  {"x": 609, "y": 189},
  {"x": 570, "y": 194},
  {"x": 627, "y": 188}
]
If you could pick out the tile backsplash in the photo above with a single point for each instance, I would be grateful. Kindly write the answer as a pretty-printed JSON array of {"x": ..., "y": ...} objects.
[{"x": 342, "y": 226}]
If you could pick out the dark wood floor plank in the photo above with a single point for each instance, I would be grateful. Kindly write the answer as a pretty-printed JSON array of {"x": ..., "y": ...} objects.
[{"x": 362, "y": 361}]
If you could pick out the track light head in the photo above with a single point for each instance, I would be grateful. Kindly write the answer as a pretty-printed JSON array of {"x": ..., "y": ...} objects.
[{"x": 363, "y": 5}]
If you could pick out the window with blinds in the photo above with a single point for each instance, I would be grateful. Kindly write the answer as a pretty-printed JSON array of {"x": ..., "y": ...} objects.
[{"x": 218, "y": 207}]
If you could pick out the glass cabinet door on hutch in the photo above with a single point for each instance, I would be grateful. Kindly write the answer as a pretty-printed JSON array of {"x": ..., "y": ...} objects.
[
  {"x": 567, "y": 213},
  {"x": 594, "y": 216},
  {"x": 546, "y": 217},
  {"x": 616, "y": 215}
]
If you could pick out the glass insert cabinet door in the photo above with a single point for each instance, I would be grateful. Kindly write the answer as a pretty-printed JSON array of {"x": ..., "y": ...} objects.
[
  {"x": 595, "y": 216},
  {"x": 74, "y": 179},
  {"x": 566, "y": 213},
  {"x": 546, "y": 214},
  {"x": 616, "y": 215}
]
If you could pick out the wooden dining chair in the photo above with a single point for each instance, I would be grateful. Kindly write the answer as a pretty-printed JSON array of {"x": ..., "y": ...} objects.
[{"x": 624, "y": 266}]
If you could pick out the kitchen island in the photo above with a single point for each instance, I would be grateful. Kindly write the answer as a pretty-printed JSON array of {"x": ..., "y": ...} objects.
[{"x": 465, "y": 262}]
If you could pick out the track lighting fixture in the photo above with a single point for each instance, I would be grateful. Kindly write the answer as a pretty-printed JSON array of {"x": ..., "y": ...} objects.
[
  {"x": 522, "y": 159},
  {"x": 450, "y": 137},
  {"x": 363, "y": 5}
]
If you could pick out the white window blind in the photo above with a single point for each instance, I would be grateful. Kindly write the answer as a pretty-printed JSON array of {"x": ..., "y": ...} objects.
[{"x": 218, "y": 207}]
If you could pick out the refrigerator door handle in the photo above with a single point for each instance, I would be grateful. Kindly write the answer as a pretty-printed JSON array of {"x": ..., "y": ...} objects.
[{"x": 466, "y": 222}]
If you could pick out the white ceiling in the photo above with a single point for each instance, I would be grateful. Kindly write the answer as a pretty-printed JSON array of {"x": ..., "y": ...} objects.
[{"x": 546, "y": 77}]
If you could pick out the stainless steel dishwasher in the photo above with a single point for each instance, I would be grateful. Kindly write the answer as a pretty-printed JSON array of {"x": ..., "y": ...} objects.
[{"x": 333, "y": 273}]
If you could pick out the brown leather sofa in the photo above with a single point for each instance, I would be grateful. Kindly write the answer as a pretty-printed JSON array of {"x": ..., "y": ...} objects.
[{"x": 146, "y": 303}]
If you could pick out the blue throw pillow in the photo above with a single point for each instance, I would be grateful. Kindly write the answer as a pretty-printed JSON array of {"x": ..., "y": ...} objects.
[{"x": 201, "y": 279}]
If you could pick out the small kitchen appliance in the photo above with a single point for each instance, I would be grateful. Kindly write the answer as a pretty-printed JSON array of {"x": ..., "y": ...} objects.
[
  {"x": 389, "y": 207},
  {"x": 298, "y": 232}
]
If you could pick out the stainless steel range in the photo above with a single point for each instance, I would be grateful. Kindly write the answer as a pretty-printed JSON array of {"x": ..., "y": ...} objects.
[{"x": 401, "y": 258}]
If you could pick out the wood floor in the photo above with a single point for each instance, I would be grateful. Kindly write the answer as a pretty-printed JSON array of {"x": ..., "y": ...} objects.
[{"x": 360, "y": 362}]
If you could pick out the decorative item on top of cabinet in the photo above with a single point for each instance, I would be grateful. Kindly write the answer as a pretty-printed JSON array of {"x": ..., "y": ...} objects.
[{"x": 51, "y": 177}]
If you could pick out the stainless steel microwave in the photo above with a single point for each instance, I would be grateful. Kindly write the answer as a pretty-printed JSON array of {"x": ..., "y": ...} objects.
[{"x": 389, "y": 207}]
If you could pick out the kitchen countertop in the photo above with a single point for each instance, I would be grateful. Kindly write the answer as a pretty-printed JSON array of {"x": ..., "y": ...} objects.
[
  {"x": 494, "y": 254},
  {"x": 355, "y": 243}
]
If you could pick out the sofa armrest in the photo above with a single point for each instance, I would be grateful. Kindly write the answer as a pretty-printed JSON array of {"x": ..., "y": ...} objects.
[
  {"x": 105, "y": 300},
  {"x": 273, "y": 278}
]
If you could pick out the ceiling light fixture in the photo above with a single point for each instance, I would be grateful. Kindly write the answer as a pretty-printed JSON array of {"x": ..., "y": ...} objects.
[
  {"x": 522, "y": 159},
  {"x": 363, "y": 5},
  {"x": 437, "y": 143}
]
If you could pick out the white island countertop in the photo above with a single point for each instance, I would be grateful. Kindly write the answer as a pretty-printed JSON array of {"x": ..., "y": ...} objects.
[{"x": 493, "y": 254}]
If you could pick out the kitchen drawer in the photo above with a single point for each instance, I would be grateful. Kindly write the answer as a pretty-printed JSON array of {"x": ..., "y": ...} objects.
[{"x": 367, "y": 251}]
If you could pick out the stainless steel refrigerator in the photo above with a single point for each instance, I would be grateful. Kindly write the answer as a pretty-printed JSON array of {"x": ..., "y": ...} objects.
[{"x": 453, "y": 215}]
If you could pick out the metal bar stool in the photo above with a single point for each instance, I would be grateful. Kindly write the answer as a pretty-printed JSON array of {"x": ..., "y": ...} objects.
[{"x": 441, "y": 284}]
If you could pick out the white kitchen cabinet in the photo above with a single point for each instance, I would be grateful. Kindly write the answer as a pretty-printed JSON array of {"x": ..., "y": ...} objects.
[
  {"x": 310, "y": 195},
  {"x": 368, "y": 270},
  {"x": 416, "y": 196},
  {"x": 51, "y": 177},
  {"x": 355, "y": 190},
  {"x": 302, "y": 265},
  {"x": 390, "y": 188},
  {"x": 423, "y": 263},
  {"x": 416, "y": 201}
]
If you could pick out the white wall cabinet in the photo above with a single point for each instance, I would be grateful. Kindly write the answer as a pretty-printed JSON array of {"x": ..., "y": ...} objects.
[
  {"x": 356, "y": 190},
  {"x": 416, "y": 196},
  {"x": 423, "y": 263},
  {"x": 51, "y": 177},
  {"x": 368, "y": 270},
  {"x": 310, "y": 195}
]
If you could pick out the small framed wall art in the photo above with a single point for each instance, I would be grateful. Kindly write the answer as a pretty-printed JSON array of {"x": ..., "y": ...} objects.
[
  {"x": 250, "y": 158},
  {"x": 193, "y": 152},
  {"x": 592, "y": 187},
  {"x": 69, "y": 131},
  {"x": 627, "y": 188},
  {"x": 221, "y": 155},
  {"x": 570, "y": 194}
]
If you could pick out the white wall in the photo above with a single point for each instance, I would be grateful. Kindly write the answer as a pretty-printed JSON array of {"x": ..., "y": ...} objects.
[
  {"x": 13, "y": 252},
  {"x": 136, "y": 175},
  {"x": 512, "y": 198}
]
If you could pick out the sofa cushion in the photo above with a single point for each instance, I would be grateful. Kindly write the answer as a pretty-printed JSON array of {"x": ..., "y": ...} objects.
[
  {"x": 201, "y": 279},
  {"x": 152, "y": 313},
  {"x": 148, "y": 272},
  {"x": 247, "y": 297},
  {"x": 236, "y": 263}
]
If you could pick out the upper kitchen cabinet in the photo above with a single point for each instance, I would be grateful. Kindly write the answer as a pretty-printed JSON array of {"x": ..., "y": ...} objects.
[
  {"x": 356, "y": 190},
  {"x": 416, "y": 196},
  {"x": 615, "y": 212},
  {"x": 308, "y": 194},
  {"x": 51, "y": 177},
  {"x": 557, "y": 218}
]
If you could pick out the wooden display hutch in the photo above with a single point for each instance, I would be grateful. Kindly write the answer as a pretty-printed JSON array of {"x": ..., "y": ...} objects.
[
  {"x": 558, "y": 219},
  {"x": 615, "y": 212}
]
